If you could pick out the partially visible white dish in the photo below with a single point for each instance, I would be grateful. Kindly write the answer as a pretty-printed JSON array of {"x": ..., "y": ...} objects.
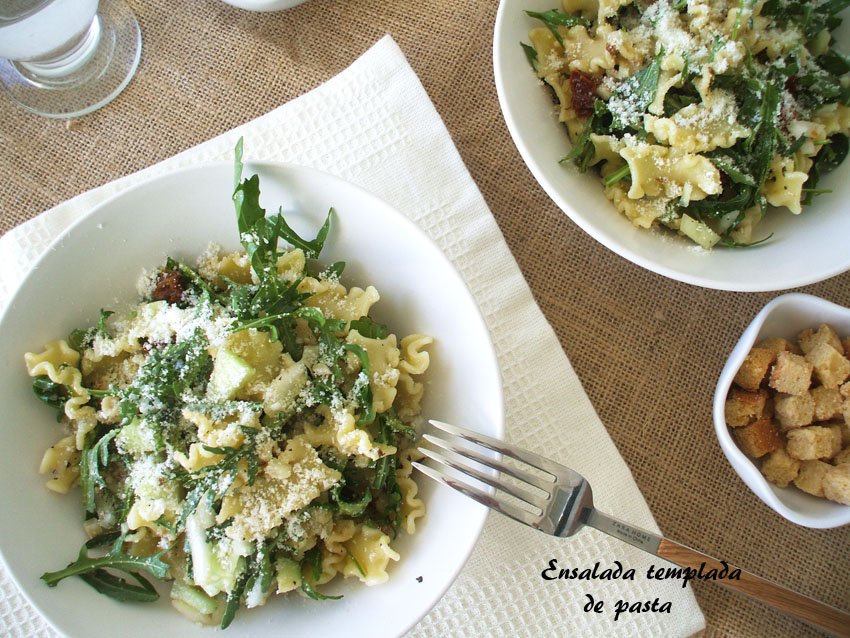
[
  {"x": 96, "y": 263},
  {"x": 804, "y": 249},
  {"x": 264, "y": 5},
  {"x": 785, "y": 316}
]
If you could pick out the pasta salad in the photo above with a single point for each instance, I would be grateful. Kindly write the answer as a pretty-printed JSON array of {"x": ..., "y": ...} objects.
[
  {"x": 245, "y": 429},
  {"x": 699, "y": 115}
]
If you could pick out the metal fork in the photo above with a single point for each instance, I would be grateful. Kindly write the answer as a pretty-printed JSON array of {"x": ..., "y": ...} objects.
[{"x": 564, "y": 504}]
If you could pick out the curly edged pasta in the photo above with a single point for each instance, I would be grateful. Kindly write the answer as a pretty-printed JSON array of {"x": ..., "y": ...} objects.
[
  {"x": 246, "y": 428},
  {"x": 698, "y": 113}
]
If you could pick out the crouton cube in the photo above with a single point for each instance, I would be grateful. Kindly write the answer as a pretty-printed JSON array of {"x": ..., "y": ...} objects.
[
  {"x": 754, "y": 369},
  {"x": 778, "y": 344},
  {"x": 779, "y": 468},
  {"x": 742, "y": 407},
  {"x": 846, "y": 344},
  {"x": 814, "y": 442},
  {"x": 791, "y": 374},
  {"x": 836, "y": 484},
  {"x": 830, "y": 366},
  {"x": 827, "y": 403},
  {"x": 810, "y": 478},
  {"x": 794, "y": 410},
  {"x": 842, "y": 457},
  {"x": 758, "y": 438},
  {"x": 844, "y": 389},
  {"x": 808, "y": 339},
  {"x": 844, "y": 427}
]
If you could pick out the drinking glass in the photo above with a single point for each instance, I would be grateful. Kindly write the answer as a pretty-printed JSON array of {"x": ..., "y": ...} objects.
[{"x": 66, "y": 58}]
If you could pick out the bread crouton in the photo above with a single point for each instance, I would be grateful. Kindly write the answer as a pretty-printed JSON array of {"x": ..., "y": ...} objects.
[
  {"x": 794, "y": 410},
  {"x": 791, "y": 374},
  {"x": 779, "y": 468},
  {"x": 754, "y": 369},
  {"x": 758, "y": 438},
  {"x": 779, "y": 344},
  {"x": 814, "y": 442},
  {"x": 827, "y": 403},
  {"x": 808, "y": 339},
  {"x": 836, "y": 484},
  {"x": 810, "y": 478},
  {"x": 846, "y": 344},
  {"x": 743, "y": 407},
  {"x": 845, "y": 431},
  {"x": 842, "y": 457},
  {"x": 830, "y": 366}
]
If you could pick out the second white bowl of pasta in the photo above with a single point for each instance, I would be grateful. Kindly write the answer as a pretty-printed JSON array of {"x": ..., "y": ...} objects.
[
  {"x": 241, "y": 430},
  {"x": 710, "y": 153}
]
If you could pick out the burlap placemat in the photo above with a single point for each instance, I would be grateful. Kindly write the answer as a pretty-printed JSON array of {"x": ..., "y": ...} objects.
[{"x": 648, "y": 350}]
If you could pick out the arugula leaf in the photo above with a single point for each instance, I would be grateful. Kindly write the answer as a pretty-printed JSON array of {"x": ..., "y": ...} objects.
[
  {"x": 313, "y": 561},
  {"x": 165, "y": 374},
  {"x": 583, "y": 150},
  {"x": 554, "y": 18},
  {"x": 367, "y": 327},
  {"x": 391, "y": 420},
  {"x": 234, "y": 596},
  {"x": 620, "y": 174},
  {"x": 119, "y": 589},
  {"x": 78, "y": 339},
  {"x": 726, "y": 165},
  {"x": 217, "y": 478},
  {"x": 362, "y": 389},
  {"x": 53, "y": 394},
  {"x": 334, "y": 271},
  {"x": 834, "y": 62},
  {"x": 810, "y": 17},
  {"x": 311, "y": 248},
  {"x": 829, "y": 157},
  {"x": 92, "y": 458},
  {"x": 352, "y": 509},
  {"x": 385, "y": 477},
  {"x": 531, "y": 56},
  {"x": 633, "y": 96},
  {"x": 356, "y": 563},
  {"x": 114, "y": 559},
  {"x": 100, "y": 328}
]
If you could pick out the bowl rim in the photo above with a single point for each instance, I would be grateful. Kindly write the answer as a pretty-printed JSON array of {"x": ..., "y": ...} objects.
[
  {"x": 740, "y": 462},
  {"x": 251, "y": 165}
]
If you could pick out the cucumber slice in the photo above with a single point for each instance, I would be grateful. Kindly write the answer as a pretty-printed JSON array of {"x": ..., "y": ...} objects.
[
  {"x": 216, "y": 565},
  {"x": 136, "y": 439},
  {"x": 230, "y": 374},
  {"x": 699, "y": 232},
  {"x": 194, "y": 597},
  {"x": 288, "y": 574}
]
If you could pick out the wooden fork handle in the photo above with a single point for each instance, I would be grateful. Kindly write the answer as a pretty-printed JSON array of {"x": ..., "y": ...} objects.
[{"x": 807, "y": 609}]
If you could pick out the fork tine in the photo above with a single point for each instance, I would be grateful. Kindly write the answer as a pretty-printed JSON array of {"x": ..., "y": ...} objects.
[
  {"x": 517, "y": 473},
  {"x": 523, "y": 495},
  {"x": 535, "y": 460},
  {"x": 477, "y": 494}
]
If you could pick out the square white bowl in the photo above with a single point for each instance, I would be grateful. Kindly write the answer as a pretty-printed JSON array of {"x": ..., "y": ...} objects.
[{"x": 785, "y": 316}]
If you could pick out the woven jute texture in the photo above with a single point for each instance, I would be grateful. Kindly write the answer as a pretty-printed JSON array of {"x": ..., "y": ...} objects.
[{"x": 647, "y": 349}]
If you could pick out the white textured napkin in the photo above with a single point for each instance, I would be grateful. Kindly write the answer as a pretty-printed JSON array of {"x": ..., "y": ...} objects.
[{"x": 370, "y": 124}]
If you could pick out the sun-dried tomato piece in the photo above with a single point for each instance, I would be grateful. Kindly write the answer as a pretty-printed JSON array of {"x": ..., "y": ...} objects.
[
  {"x": 584, "y": 92},
  {"x": 170, "y": 287}
]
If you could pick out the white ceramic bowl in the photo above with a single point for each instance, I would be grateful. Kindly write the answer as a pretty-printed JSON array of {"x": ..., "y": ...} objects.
[
  {"x": 264, "y": 5},
  {"x": 97, "y": 262},
  {"x": 785, "y": 316},
  {"x": 804, "y": 249}
]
